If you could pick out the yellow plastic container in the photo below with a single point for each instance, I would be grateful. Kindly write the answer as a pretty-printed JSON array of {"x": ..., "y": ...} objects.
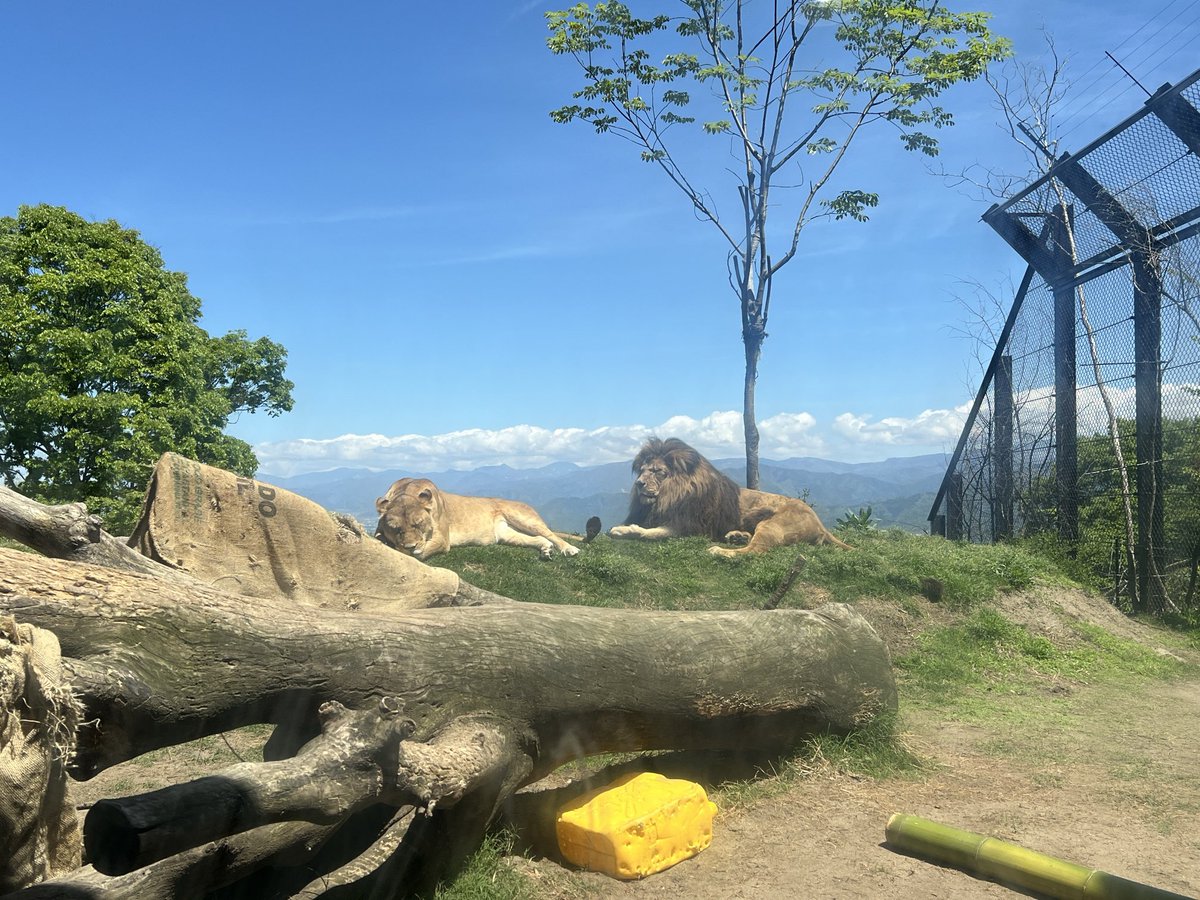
[{"x": 636, "y": 826}]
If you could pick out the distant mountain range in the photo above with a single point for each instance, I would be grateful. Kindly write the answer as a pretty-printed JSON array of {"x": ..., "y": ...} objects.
[{"x": 899, "y": 491}]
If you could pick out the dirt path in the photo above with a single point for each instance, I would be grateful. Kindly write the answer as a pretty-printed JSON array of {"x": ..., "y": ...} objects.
[{"x": 1110, "y": 779}]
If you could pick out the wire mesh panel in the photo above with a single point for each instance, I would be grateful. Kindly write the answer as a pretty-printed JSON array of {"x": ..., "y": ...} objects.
[{"x": 1105, "y": 415}]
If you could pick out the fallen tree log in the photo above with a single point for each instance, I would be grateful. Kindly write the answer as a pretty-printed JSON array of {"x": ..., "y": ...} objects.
[
  {"x": 445, "y": 710},
  {"x": 156, "y": 665},
  {"x": 69, "y": 532},
  {"x": 194, "y": 873}
]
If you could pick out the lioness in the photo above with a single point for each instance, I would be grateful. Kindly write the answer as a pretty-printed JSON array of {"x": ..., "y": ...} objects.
[
  {"x": 678, "y": 493},
  {"x": 419, "y": 519}
]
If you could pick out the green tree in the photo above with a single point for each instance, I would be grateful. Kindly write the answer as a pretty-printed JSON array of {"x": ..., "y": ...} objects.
[
  {"x": 103, "y": 366},
  {"x": 784, "y": 91},
  {"x": 1102, "y": 499}
]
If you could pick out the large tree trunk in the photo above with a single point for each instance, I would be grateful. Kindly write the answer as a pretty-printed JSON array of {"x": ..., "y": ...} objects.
[
  {"x": 585, "y": 680},
  {"x": 443, "y": 712}
]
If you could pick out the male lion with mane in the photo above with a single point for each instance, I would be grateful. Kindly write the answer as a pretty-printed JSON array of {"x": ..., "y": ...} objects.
[
  {"x": 419, "y": 519},
  {"x": 679, "y": 493}
]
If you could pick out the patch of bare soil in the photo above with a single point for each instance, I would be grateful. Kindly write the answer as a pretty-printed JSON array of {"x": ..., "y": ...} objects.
[{"x": 1106, "y": 776}]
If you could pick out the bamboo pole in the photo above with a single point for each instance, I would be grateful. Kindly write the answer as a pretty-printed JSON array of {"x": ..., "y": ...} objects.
[{"x": 1013, "y": 865}]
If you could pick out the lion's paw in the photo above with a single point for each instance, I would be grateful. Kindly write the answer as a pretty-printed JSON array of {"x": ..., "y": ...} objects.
[
  {"x": 570, "y": 550},
  {"x": 722, "y": 551},
  {"x": 620, "y": 531},
  {"x": 737, "y": 537},
  {"x": 546, "y": 552}
]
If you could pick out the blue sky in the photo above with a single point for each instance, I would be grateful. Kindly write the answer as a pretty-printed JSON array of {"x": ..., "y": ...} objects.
[{"x": 459, "y": 281}]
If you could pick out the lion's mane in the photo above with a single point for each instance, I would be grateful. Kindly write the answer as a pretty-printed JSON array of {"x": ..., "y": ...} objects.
[{"x": 693, "y": 499}]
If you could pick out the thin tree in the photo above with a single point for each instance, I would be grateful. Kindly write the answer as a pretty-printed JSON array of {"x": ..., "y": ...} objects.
[{"x": 787, "y": 83}]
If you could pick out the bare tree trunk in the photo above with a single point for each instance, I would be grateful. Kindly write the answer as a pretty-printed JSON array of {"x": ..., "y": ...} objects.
[
  {"x": 595, "y": 680},
  {"x": 753, "y": 342},
  {"x": 754, "y": 308},
  {"x": 192, "y": 874}
]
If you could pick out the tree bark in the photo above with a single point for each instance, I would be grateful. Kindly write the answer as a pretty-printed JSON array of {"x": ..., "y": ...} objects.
[
  {"x": 446, "y": 710},
  {"x": 192, "y": 874}
]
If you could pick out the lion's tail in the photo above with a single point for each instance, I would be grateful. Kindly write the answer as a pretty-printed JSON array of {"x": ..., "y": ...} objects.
[{"x": 830, "y": 539}]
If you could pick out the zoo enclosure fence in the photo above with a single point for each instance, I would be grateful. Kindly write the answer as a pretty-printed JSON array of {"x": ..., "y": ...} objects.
[{"x": 1086, "y": 425}]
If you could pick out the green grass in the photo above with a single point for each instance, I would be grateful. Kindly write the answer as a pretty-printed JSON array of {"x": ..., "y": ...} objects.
[
  {"x": 675, "y": 574},
  {"x": 1187, "y": 626},
  {"x": 679, "y": 574},
  {"x": 872, "y": 752},
  {"x": 955, "y": 667},
  {"x": 486, "y": 877},
  {"x": 891, "y": 565}
]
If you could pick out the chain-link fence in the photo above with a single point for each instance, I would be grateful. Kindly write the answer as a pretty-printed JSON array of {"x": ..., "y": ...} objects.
[{"x": 1087, "y": 423}]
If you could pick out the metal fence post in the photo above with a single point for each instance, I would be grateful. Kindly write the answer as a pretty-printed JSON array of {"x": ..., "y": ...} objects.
[
  {"x": 1002, "y": 455},
  {"x": 954, "y": 508},
  {"x": 1124, "y": 208},
  {"x": 1066, "y": 457},
  {"x": 1147, "y": 342}
]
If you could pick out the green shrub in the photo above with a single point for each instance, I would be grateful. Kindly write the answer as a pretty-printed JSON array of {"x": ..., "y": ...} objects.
[{"x": 863, "y": 520}]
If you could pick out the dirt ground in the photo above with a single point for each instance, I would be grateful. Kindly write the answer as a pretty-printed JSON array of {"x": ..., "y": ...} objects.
[{"x": 1108, "y": 777}]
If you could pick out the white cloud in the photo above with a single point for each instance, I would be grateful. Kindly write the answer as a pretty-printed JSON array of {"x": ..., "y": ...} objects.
[
  {"x": 716, "y": 435},
  {"x": 518, "y": 445},
  {"x": 1036, "y": 405},
  {"x": 790, "y": 434},
  {"x": 932, "y": 426}
]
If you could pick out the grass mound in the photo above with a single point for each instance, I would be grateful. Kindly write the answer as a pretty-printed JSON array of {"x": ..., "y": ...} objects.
[{"x": 679, "y": 574}]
